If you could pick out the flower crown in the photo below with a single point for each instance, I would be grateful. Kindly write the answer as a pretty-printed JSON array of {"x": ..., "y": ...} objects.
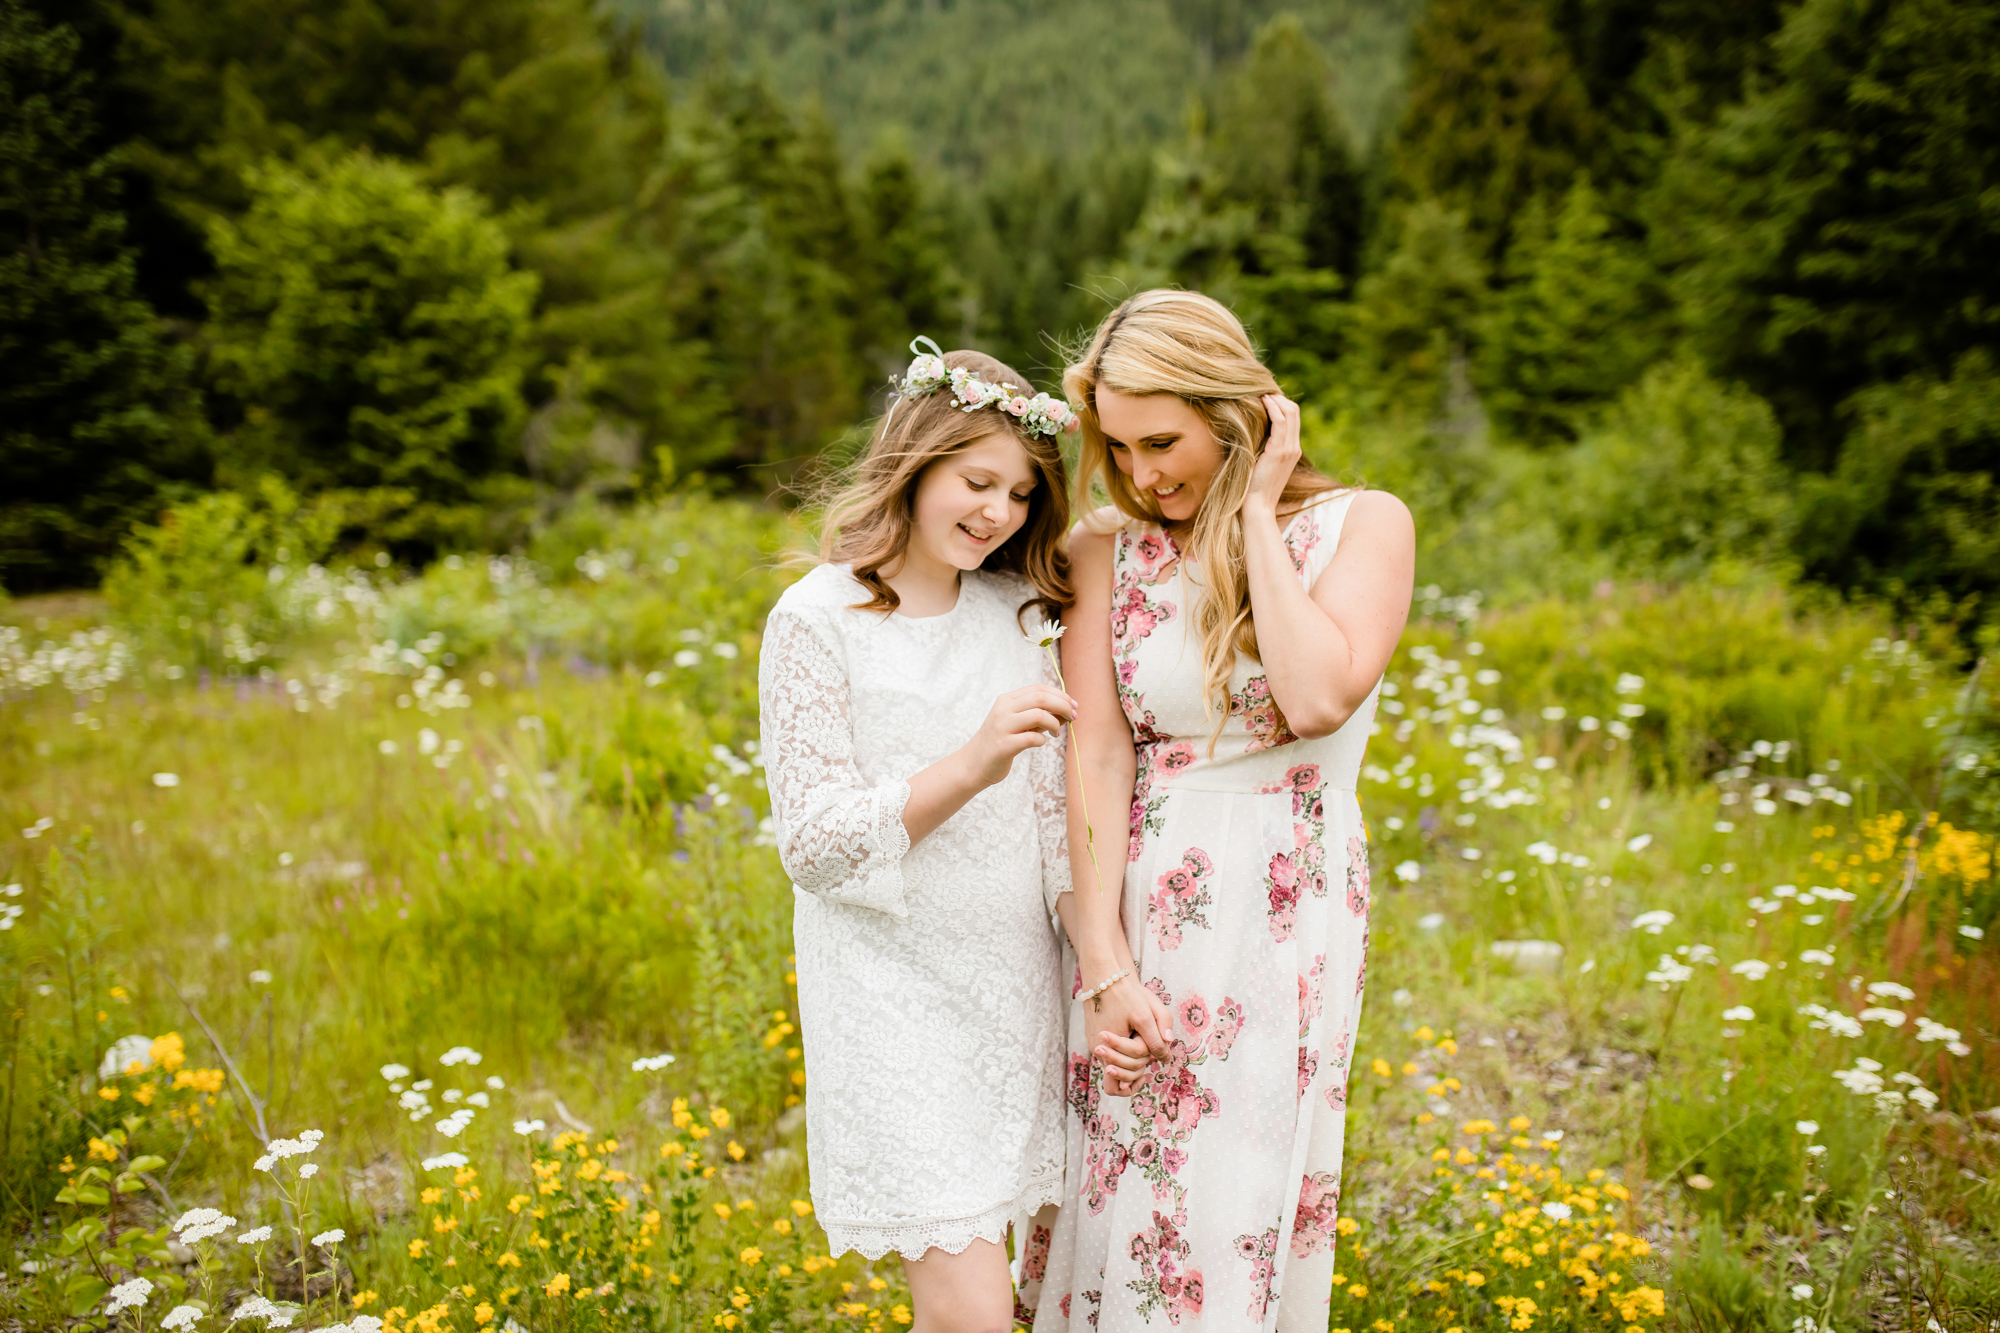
[{"x": 928, "y": 373}]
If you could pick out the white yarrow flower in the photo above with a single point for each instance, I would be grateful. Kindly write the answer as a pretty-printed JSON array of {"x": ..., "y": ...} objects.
[
  {"x": 460, "y": 1055},
  {"x": 1807, "y": 1127},
  {"x": 256, "y": 1236},
  {"x": 450, "y": 1159},
  {"x": 181, "y": 1316},
  {"x": 1653, "y": 922},
  {"x": 308, "y": 1171},
  {"x": 393, "y": 1072},
  {"x": 333, "y": 1237},
  {"x": 1754, "y": 968},
  {"x": 128, "y": 1296},
  {"x": 527, "y": 1127},
  {"x": 1742, "y": 1013},
  {"x": 651, "y": 1063},
  {"x": 1801, "y": 1291}
]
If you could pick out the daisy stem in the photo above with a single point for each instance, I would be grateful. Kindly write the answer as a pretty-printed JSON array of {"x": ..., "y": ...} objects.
[{"x": 1089, "y": 833}]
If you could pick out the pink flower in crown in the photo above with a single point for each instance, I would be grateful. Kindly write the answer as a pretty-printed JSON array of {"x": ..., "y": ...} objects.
[
  {"x": 1196, "y": 1019},
  {"x": 1016, "y": 406}
]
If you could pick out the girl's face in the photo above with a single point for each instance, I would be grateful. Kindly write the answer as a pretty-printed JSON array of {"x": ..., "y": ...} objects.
[
  {"x": 1163, "y": 445},
  {"x": 969, "y": 503}
]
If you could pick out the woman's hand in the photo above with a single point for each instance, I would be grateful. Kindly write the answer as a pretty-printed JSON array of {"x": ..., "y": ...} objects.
[
  {"x": 1128, "y": 1034},
  {"x": 1018, "y": 721},
  {"x": 1279, "y": 456}
]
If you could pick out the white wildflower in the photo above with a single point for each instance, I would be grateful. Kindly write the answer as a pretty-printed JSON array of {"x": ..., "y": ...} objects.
[
  {"x": 393, "y": 1072},
  {"x": 1801, "y": 1291},
  {"x": 1924, "y": 1097},
  {"x": 450, "y": 1159},
  {"x": 1972, "y": 932},
  {"x": 1927, "y": 1030},
  {"x": 308, "y": 1171},
  {"x": 260, "y": 977},
  {"x": 181, "y": 1316},
  {"x": 128, "y": 1296},
  {"x": 1558, "y": 1211},
  {"x": 651, "y": 1064},
  {"x": 1742, "y": 1013},
  {"x": 1653, "y": 922},
  {"x": 1640, "y": 843},
  {"x": 1818, "y": 957},
  {"x": 1430, "y": 921},
  {"x": 1670, "y": 972},
  {"x": 166, "y": 779},
  {"x": 1807, "y": 1127},
  {"x": 200, "y": 1224},
  {"x": 333, "y": 1237},
  {"x": 1754, "y": 968},
  {"x": 460, "y": 1055},
  {"x": 256, "y": 1236},
  {"x": 1891, "y": 990},
  {"x": 1888, "y": 1017}
]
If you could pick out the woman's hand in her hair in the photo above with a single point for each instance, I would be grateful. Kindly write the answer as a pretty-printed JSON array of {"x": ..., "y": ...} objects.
[{"x": 1278, "y": 457}]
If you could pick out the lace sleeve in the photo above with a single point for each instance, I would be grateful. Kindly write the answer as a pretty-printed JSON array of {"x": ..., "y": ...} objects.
[
  {"x": 1046, "y": 777},
  {"x": 838, "y": 837}
]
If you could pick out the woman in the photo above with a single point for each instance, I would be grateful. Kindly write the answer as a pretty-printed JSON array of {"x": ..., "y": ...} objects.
[{"x": 1234, "y": 613}]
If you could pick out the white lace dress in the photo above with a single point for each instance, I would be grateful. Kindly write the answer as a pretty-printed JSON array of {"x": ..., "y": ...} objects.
[{"x": 929, "y": 992}]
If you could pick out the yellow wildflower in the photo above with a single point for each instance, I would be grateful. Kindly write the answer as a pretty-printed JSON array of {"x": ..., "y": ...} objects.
[
  {"x": 556, "y": 1285},
  {"x": 482, "y": 1314},
  {"x": 751, "y": 1257},
  {"x": 417, "y": 1247},
  {"x": 720, "y": 1117}
]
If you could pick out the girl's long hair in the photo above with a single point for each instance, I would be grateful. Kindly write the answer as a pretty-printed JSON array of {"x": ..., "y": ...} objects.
[
  {"x": 870, "y": 511},
  {"x": 1194, "y": 347}
]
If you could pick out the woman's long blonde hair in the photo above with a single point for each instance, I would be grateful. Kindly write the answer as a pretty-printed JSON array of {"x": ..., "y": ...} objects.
[
  {"x": 870, "y": 509},
  {"x": 1194, "y": 347}
]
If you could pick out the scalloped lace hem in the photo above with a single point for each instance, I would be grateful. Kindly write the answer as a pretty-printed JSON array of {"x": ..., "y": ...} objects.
[{"x": 950, "y": 1234}]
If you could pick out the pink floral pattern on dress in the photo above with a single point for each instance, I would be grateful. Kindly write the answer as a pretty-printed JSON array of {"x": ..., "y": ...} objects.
[
  {"x": 1262, "y": 1254},
  {"x": 1319, "y": 1209},
  {"x": 1178, "y": 899},
  {"x": 1241, "y": 868},
  {"x": 1160, "y": 1251},
  {"x": 1259, "y": 711},
  {"x": 1357, "y": 876}
]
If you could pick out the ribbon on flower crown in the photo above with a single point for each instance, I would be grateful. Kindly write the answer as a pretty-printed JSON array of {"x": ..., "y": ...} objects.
[{"x": 928, "y": 373}]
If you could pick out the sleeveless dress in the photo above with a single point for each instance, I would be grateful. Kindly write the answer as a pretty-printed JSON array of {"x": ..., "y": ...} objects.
[
  {"x": 1208, "y": 1199},
  {"x": 929, "y": 984}
]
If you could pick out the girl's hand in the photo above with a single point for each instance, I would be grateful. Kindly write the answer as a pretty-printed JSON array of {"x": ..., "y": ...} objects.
[
  {"x": 1279, "y": 456},
  {"x": 1018, "y": 721},
  {"x": 1131, "y": 1032}
]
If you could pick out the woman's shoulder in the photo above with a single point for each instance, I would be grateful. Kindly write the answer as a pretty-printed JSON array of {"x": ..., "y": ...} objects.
[{"x": 823, "y": 589}]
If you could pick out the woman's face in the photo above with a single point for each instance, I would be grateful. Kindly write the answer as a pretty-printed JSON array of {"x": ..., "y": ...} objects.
[
  {"x": 969, "y": 503},
  {"x": 1163, "y": 445}
]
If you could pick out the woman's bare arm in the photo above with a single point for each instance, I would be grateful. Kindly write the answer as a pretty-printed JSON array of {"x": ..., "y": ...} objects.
[
  {"x": 1108, "y": 765},
  {"x": 1323, "y": 650}
]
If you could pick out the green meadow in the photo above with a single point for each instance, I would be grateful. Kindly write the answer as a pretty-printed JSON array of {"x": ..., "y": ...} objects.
[{"x": 1679, "y": 1008}]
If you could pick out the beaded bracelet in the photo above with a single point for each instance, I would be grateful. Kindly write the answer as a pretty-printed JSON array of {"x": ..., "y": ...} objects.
[{"x": 1104, "y": 986}]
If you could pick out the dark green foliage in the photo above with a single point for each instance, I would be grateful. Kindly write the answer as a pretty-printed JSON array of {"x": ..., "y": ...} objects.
[
  {"x": 97, "y": 412},
  {"x": 369, "y": 329},
  {"x": 1838, "y": 226},
  {"x": 1496, "y": 114},
  {"x": 1581, "y": 315}
]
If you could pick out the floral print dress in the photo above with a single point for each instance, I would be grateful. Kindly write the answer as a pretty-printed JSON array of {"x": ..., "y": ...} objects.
[{"x": 1208, "y": 1199}]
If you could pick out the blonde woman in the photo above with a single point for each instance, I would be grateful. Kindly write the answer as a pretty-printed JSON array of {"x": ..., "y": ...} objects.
[
  {"x": 906, "y": 711},
  {"x": 1234, "y": 613}
]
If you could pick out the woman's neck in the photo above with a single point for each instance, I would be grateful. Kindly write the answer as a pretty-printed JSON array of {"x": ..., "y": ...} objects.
[{"x": 925, "y": 586}]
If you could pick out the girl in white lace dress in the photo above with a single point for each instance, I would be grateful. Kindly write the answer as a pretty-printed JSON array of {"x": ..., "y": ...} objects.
[
  {"x": 909, "y": 720},
  {"x": 1234, "y": 613}
]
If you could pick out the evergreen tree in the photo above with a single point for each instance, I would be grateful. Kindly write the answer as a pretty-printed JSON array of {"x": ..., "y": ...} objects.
[
  {"x": 369, "y": 330},
  {"x": 1496, "y": 115},
  {"x": 1581, "y": 315},
  {"x": 1834, "y": 233},
  {"x": 96, "y": 411}
]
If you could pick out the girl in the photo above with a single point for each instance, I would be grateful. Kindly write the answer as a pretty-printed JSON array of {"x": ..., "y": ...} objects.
[
  {"x": 1234, "y": 614},
  {"x": 919, "y": 809}
]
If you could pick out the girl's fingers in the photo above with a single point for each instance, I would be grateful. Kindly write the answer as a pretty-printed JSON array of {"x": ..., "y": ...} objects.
[{"x": 1131, "y": 1064}]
